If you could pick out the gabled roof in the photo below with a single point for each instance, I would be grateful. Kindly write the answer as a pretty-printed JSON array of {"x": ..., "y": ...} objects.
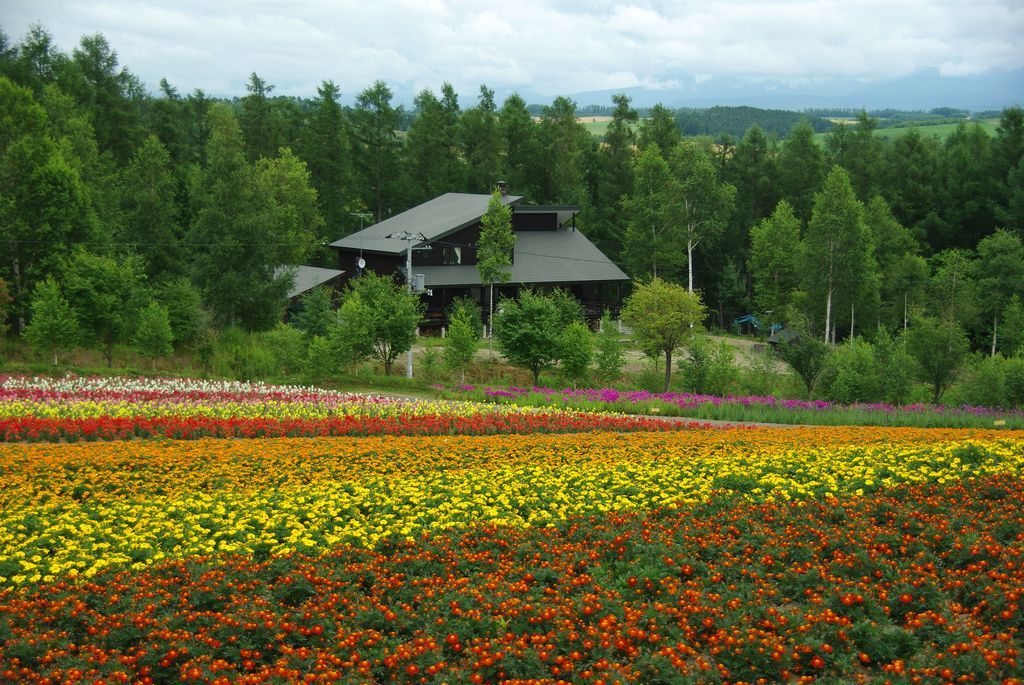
[
  {"x": 562, "y": 256},
  {"x": 307, "y": 277},
  {"x": 434, "y": 219}
]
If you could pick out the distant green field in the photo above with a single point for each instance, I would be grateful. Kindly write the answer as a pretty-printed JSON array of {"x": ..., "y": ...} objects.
[
  {"x": 596, "y": 126},
  {"x": 943, "y": 131}
]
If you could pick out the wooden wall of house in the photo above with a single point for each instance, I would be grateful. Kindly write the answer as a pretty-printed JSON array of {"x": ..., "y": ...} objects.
[{"x": 383, "y": 265}]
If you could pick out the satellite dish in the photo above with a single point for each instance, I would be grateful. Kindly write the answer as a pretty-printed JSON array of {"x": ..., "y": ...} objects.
[{"x": 361, "y": 263}]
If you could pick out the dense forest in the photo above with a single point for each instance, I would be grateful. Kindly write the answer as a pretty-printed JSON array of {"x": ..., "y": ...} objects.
[{"x": 194, "y": 201}]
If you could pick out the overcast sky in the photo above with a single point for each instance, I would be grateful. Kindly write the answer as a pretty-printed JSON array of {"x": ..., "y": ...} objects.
[{"x": 538, "y": 47}]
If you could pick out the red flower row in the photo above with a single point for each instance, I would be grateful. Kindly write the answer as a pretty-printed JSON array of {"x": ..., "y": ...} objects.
[
  {"x": 31, "y": 429},
  {"x": 918, "y": 584}
]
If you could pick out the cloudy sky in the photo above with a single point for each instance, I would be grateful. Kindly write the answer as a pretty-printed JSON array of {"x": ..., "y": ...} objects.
[{"x": 538, "y": 47}]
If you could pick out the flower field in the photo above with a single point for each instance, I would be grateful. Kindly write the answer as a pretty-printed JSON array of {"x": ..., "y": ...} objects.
[
  {"x": 589, "y": 554},
  {"x": 762, "y": 409},
  {"x": 71, "y": 409}
]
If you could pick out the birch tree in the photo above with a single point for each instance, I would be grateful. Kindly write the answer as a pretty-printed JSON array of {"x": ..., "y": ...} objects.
[
  {"x": 837, "y": 247},
  {"x": 701, "y": 203}
]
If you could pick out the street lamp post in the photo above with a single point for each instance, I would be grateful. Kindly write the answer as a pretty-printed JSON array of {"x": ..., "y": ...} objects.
[{"x": 409, "y": 239}]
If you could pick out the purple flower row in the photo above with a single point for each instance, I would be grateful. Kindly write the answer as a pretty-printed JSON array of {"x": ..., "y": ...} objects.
[{"x": 686, "y": 399}]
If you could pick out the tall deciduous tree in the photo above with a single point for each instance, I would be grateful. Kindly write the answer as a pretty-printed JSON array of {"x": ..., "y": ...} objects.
[
  {"x": 704, "y": 204},
  {"x": 249, "y": 222},
  {"x": 494, "y": 249},
  {"x": 651, "y": 247},
  {"x": 838, "y": 261},
  {"x": 663, "y": 317},
  {"x": 43, "y": 205},
  {"x": 376, "y": 148},
  {"x": 903, "y": 273},
  {"x": 774, "y": 260},
  {"x": 1000, "y": 274}
]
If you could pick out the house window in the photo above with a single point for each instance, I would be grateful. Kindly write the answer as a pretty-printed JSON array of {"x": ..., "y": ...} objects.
[{"x": 451, "y": 255}]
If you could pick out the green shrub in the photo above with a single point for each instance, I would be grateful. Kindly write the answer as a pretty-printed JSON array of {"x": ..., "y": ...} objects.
[{"x": 851, "y": 373}]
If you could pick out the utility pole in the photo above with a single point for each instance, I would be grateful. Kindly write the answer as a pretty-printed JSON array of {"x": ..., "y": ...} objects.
[{"x": 409, "y": 239}]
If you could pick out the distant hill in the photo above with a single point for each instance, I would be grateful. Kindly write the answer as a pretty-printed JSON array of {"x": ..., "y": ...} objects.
[{"x": 924, "y": 90}]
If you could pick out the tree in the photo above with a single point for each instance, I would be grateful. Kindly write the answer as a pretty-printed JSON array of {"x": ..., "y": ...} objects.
[
  {"x": 577, "y": 345},
  {"x": 952, "y": 291},
  {"x": 461, "y": 344},
  {"x": 379, "y": 317},
  {"x": 153, "y": 336},
  {"x": 259, "y": 127},
  {"x": 326, "y": 149},
  {"x": 112, "y": 96},
  {"x": 659, "y": 128},
  {"x": 376, "y": 148},
  {"x": 608, "y": 353},
  {"x": 565, "y": 141},
  {"x": 663, "y": 317},
  {"x": 1007, "y": 163},
  {"x": 939, "y": 346},
  {"x": 5, "y": 305},
  {"x": 801, "y": 170},
  {"x": 751, "y": 169},
  {"x": 107, "y": 293},
  {"x": 185, "y": 312},
  {"x": 494, "y": 248},
  {"x": 1000, "y": 274},
  {"x": 151, "y": 226},
  {"x": 44, "y": 207},
  {"x": 434, "y": 161},
  {"x": 774, "y": 260},
  {"x": 613, "y": 178},
  {"x": 528, "y": 331},
  {"x": 650, "y": 247},
  {"x": 522, "y": 148},
  {"x": 1013, "y": 326},
  {"x": 704, "y": 204},
  {"x": 53, "y": 327},
  {"x": 316, "y": 314},
  {"x": 805, "y": 355},
  {"x": 481, "y": 141},
  {"x": 838, "y": 261},
  {"x": 249, "y": 221}
]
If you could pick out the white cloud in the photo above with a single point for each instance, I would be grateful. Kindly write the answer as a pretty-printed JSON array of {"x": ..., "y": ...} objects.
[{"x": 541, "y": 46}]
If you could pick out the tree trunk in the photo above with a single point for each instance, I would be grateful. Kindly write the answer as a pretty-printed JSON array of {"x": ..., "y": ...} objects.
[
  {"x": 995, "y": 327},
  {"x": 490, "y": 324},
  {"x": 668, "y": 367},
  {"x": 828, "y": 315},
  {"x": 851, "y": 322},
  {"x": 689, "y": 269}
]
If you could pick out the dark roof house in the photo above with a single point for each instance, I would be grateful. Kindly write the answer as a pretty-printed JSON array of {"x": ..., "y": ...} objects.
[{"x": 548, "y": 252}]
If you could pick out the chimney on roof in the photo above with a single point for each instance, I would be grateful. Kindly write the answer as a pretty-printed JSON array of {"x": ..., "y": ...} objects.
[{"x": 502, "y": 188}]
